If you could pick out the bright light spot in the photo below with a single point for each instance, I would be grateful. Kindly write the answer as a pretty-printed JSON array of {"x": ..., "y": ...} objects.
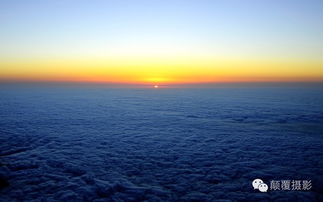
[{"x": 155, "y": 86}]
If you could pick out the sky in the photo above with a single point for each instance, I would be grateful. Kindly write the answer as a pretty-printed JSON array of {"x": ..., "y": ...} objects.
[{"x": 161, "y": 41}]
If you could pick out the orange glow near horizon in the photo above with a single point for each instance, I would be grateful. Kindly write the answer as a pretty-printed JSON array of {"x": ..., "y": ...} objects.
[{"x": 158, "y": 71}]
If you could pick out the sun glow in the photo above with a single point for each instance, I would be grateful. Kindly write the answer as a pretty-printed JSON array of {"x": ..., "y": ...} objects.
[{"x": 167, "y": 71}]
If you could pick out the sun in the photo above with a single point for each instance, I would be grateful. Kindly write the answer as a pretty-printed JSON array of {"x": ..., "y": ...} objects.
[{"x": 156, "y": 86}]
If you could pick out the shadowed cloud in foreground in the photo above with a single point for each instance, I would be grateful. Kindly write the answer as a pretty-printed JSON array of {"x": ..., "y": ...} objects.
[{"x": 97, "y": 143}]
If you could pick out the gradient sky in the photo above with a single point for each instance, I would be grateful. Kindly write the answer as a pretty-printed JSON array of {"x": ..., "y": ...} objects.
[{"x": 165, "y": 41}]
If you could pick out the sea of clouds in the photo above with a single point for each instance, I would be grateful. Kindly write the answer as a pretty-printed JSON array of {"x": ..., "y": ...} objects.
[{"x": 101, "y": 144}]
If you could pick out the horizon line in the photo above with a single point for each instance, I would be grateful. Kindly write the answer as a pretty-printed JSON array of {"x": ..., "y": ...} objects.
[{"x": 166, "y": 85}]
